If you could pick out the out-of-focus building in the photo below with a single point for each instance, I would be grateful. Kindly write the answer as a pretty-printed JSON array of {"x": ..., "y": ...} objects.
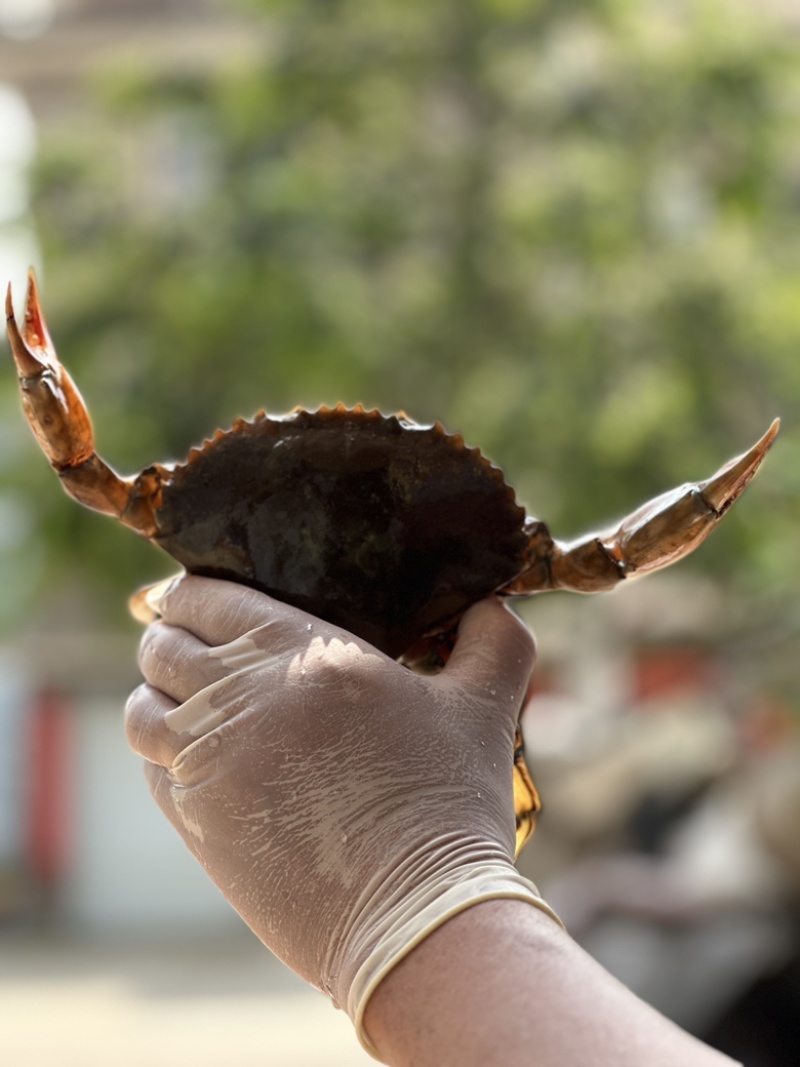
[{"x": 49, "y": 49}]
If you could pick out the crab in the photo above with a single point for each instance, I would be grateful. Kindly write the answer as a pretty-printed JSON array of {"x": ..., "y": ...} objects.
[{"x": 385, "y": 527}]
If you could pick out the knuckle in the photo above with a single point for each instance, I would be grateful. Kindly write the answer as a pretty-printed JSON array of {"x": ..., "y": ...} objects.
[{"x": 148, "y": 646}]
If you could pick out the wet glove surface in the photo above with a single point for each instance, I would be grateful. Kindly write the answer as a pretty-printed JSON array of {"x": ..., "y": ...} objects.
[{"x": 344, "y": 805}]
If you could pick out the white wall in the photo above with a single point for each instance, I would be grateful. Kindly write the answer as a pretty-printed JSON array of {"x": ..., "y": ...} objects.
[{"x": 130, "y": 871}]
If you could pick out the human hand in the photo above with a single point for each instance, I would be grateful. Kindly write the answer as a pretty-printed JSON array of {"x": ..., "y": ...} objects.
[{"x": 344, "y": 805}]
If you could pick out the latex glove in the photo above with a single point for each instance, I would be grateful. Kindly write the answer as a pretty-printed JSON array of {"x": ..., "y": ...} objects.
[{"x": 344, "y": 805}]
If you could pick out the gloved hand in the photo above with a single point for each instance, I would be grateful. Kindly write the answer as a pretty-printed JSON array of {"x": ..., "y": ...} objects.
[{"x": 344, "y": 805}]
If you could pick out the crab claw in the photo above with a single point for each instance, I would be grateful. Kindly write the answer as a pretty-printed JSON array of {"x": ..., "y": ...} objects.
[
  {"x": 60, "y": 422},
  {"x": 55, "y": 410},
  {"x": 657, "y": 534}
]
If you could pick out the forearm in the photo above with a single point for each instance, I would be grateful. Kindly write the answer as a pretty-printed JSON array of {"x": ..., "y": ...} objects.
[{"x": 501, "y": 983}]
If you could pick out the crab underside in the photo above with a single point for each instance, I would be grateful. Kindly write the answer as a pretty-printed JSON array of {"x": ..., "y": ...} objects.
[{"x": 375, "y": 523}]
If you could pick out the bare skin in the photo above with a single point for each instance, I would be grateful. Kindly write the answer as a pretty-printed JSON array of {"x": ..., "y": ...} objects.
[{"x": 501, "y": 984}]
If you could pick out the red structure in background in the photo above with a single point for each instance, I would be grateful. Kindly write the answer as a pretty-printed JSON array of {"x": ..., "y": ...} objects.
[
  {"x": 658, "y": 673},
  {"x": 48, "y": 815}
]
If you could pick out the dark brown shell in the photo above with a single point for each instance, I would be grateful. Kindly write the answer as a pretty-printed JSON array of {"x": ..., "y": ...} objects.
[{"x": 379, "y": 525}]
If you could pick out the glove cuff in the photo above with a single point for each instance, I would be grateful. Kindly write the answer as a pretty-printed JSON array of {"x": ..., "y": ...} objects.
[{"x": 430, "y": 906}]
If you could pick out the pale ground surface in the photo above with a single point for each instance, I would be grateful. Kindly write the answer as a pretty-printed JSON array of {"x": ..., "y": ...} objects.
[{"x": 71, "y": 1003}]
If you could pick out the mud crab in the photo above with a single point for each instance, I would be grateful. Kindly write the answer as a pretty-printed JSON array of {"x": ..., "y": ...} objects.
[{"x": 385, "y": 527}]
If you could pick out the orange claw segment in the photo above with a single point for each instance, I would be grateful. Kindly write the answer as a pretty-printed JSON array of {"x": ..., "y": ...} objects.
[
  {"x": 60, "y": 422},
  {"x": 675, "y": 524},
  {"x": 657, "y": 534},
  {"x": 53, "y": 406}
]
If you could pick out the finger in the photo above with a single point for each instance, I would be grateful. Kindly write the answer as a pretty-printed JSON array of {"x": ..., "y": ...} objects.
[
  {"x": 218, "y": 612},
  {"x": 163, "y": 731},
  {"x": 176, "y": 662},
  {"x": 494, "y": 654},
  {"x": 146, "y": 718}
]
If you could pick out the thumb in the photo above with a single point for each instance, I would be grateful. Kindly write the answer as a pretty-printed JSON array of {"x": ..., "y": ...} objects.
[{"x": 495, "y": 651}]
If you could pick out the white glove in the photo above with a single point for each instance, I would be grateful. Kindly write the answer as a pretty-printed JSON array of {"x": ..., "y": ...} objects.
[{"x": 344, "y": 805}]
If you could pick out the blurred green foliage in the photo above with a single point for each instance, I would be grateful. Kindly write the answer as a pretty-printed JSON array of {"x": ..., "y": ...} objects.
[{"x": 570, "y": 229}]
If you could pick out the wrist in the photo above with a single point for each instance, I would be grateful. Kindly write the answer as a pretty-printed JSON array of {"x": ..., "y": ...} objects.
[
  {"x": 456, "y": 997},
  {"x": 404, "y": 910},
  {"x": 501, "y": 982}
]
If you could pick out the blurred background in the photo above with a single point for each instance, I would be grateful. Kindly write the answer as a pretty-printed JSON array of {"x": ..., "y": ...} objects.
[{"x": 569, "y": 229}]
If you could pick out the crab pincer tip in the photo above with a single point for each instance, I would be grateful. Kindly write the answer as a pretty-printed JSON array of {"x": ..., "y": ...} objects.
[
  {"x": 33, "y": 287},
  {"x": 725, "y": 487},
  {"x": 28, "y": 364},
  {"x": 35, "y": 328},
  {"x": 762, "y": 446},
  {"x": 772, "y": 432}
]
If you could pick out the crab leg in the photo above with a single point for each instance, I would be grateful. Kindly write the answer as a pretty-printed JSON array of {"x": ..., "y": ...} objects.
[
  {"x": 59, "y": 420},
  {"x": 659, "y": 533}
]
